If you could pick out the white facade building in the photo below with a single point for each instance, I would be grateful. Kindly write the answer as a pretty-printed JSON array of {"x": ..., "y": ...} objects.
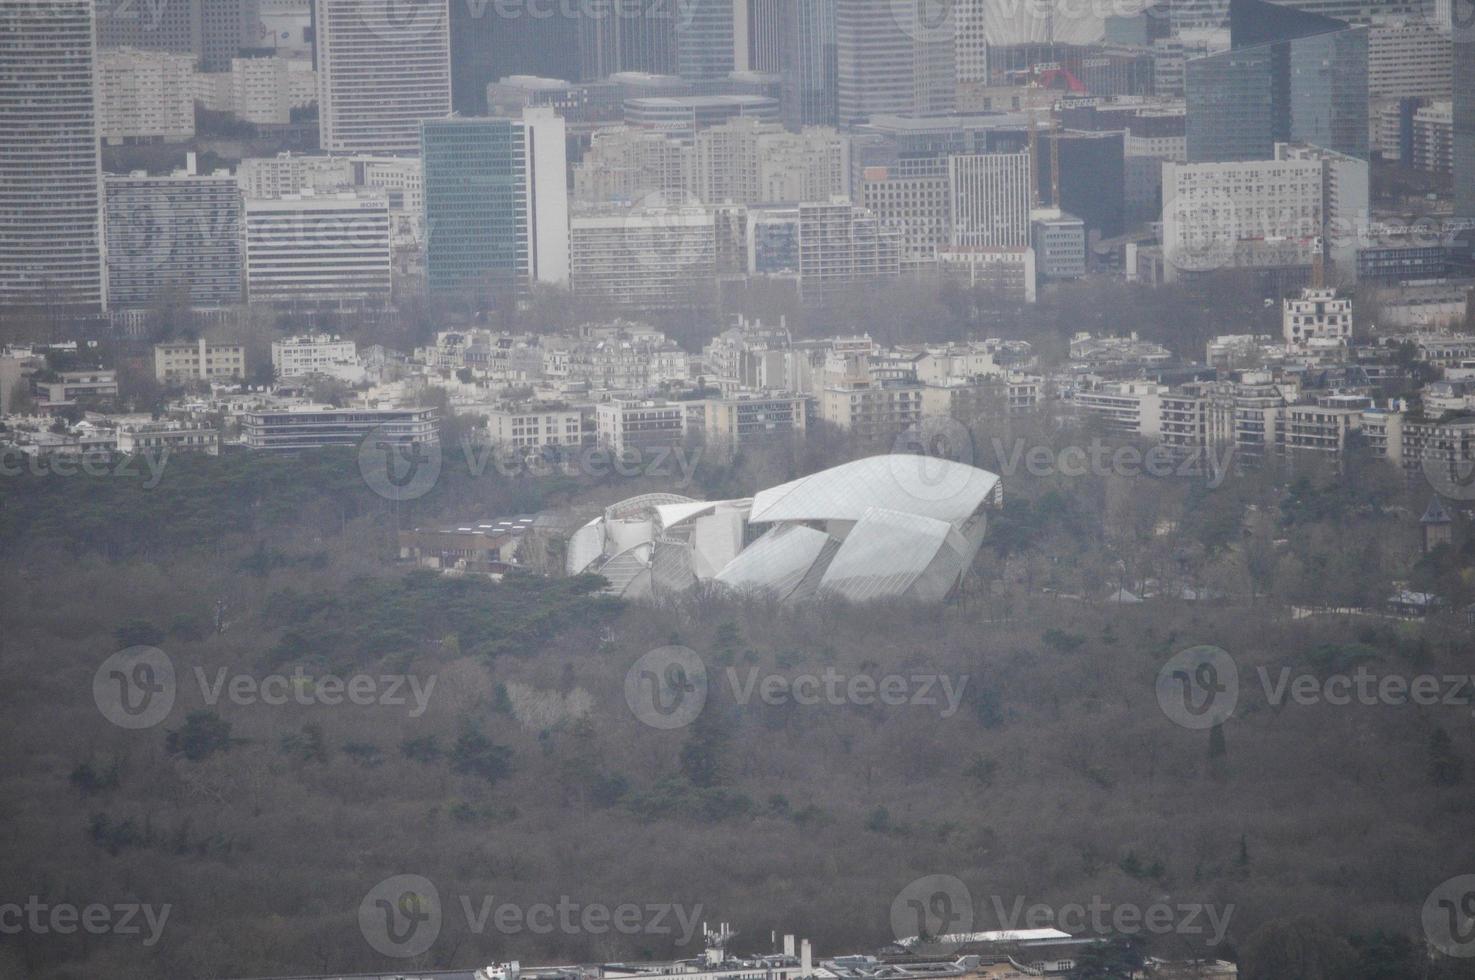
[
  {"x": 990, "y": 200},
  {"x": 145, "y": 96},
  {"x": 309, "y": 247},
  {"x": 382, "y": 69},
  {"x": 311, "y": 354},
  {"x": 1305, "y": 204}
]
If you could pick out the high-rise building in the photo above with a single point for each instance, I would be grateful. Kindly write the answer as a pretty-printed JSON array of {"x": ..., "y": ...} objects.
[
  {"x": 644, "y": 257},
  {"x": 626, "y": 35},
  {"x": 496, "y": 200},
  {"x": 490, "y": 42},
  {"x": 1288, "y": 76},
  {"x": 709, "y": 35},
  {"x": 181, "y": 231},
  {"x": 990, "y": 199},
  {"x": 1464, "y": 109},
  {"x": 892, "y": 57},
  {"x": 808, "y": 64},
  {"x": 1091, "y": 183},
  {"x": 382, "y": 69},
  {"x": 50, "y": 168},
  {"x": 766, "y": 33}
]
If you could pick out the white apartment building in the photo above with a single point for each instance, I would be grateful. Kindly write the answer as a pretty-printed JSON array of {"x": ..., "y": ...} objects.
[
  {"x": 919, "y": 204},
  {"x": 292, "y": 173},
  {"x": 1316, "y": 315},
  {"x": 145, "y": 96},
  {"x": 310, "y": 247},
  {"x": 168, "y": 437},
  {"x": 1009, "y": 271},
  {"x": 990, "y": 198},
  {"x": 628, "y": 164},
  {"x": 643, "y": 256},
  {"x": 1433, "y": 138},
  {"x": 840, "y": 244},
  {"x": 198, "y": 360},
  {"x": 382, "y": 69},
  {"x": 748, "y": 161},
  {"x": 532, "y": 427},
  {"x": 311, "y": 353},
  {"x": 1411, "y": 59},
  {"x": 628, "y": 424},
  {"x": 1306, "y": 203}
]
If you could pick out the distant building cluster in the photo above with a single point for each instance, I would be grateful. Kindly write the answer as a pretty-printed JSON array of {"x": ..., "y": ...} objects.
[{"x": 651, "y": 162}]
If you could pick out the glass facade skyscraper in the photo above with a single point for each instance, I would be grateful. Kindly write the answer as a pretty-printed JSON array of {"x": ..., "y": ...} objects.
[
  {"x": 476, "y": 207},
  {"x": 1289, "y": 76},
  {"x": 1464, "y": 109},
  {"x": 809, "y": 66}
]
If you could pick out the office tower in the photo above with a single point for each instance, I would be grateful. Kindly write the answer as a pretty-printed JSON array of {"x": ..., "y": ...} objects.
[
  {"x": 766, "y": 34},
  {"x": 318, "y": 247},
  {"x": 180, "y": 231},
  {"x": 226, "y": 27},
  {"x": 1464, "y": 109},
  {"x": 708, "y": 35},
  {"x": 626, "y": 35},
  {"x": 496, "y": 201},
  {"x": 382, "y": 68},
  {"x": 1091, "y": 183},
  {"x": 990, "y": 200},
  {"x": 809, "y": 65},
  {"x": 892, "y": 57},
  {"x": 1288, "y": 76},
  {"x": 487, "y": 46},
  {"x": 50, "y": 170}
]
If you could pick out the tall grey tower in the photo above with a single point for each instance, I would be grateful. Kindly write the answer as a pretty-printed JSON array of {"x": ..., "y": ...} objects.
[
  {"x": 382, "y": 69},
  {"x": 1463, "y": 17},
  {"x": 50, "y": 168}
]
